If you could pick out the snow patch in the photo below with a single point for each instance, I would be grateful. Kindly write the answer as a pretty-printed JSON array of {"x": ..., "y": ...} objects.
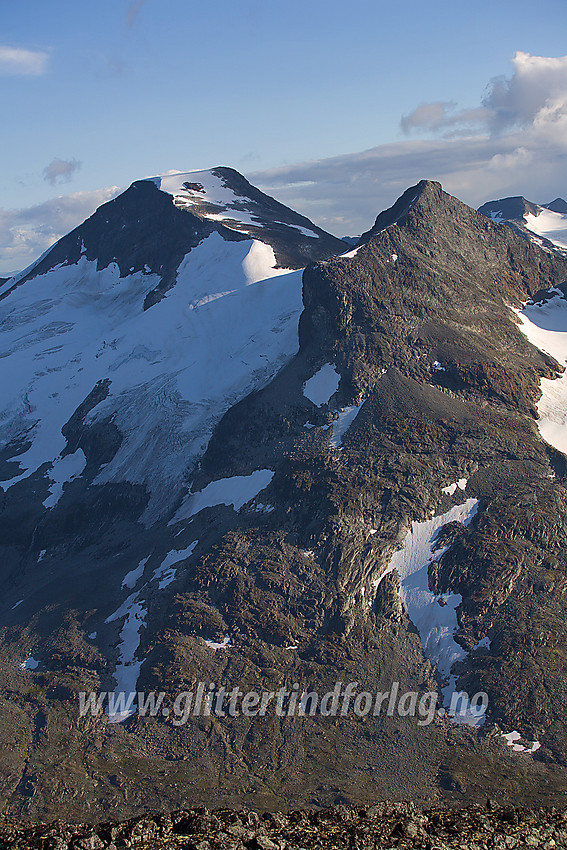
[
  {"x": 263, "y": 509},
  {"x": 512, "y": 739},
  {"x": 322, "y": 385},
  {"x": 434, "y": 616},
  {"x": 545, "y": 326},
  {"x": 64, "y": 470},
  {"x": 451, "y": 488},
  {"x": 128, "y": 669},
  {"x": 19, "y": 602},
  {"x": 438, "y": 367},
  {"x": 30, "y": 664},
  {"x": 165, "y": 573},
  {"x": 482, "y": 644},
  {"x": 132, "y": 577},
  {"x": 551, "y": 225},
  {"x": 352, "y": 253},
  {"x": 342, "y": 423},
  {"x": 235, "y": 492},
  {"x": 224, "y": 645}
]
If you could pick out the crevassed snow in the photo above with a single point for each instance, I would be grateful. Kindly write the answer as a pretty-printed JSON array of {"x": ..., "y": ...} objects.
[
  {"x": 342, "y": 423},
  {"x": 435, "y": 622},
  {"x": 551, "y": 225},
  {"x": 224, "y": 645},
  {"x": 451, "y": 488},
  {"x": 132, "y": 577},
  {"x": 545, "y": 325},
  {"x": 174, "y": 369},
  {"x": 323, "y": 385},
  {"x": 30, "y": 664},
  {"x": 64, "y": 469},
  {"x": 235, "y": 491},
  {"x": 166, "y": 573},
  {"x": 128, "y": 669}
]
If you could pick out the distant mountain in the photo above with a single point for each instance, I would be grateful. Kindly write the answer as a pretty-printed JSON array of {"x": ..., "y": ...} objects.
[
  {"x": 236, "y": 452},
  {"x": 544, "y": 224},
  {"x": 558, "y": 205}
]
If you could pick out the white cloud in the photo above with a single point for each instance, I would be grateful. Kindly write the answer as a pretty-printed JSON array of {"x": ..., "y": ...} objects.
[
  {"x": 27, "y": 233},
  {"x": 534, "y": 97},
  {"x": 60, "y": 170},
  {"x": 513, "y": 143},
  {"x": 17, "y": 60}
]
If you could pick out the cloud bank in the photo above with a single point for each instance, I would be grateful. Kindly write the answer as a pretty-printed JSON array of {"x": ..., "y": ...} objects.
[
  {"x": 18, "y": 61},
  {"x": 513, "y": 143}
]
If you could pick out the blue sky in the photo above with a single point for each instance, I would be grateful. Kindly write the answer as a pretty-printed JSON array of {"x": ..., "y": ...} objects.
[{"x": 97, "y": 95}]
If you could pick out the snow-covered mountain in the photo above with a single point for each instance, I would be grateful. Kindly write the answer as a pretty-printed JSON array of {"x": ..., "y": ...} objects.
[
  {"x": 162, "y": 310},
  {"x": 544, "y": 224}
]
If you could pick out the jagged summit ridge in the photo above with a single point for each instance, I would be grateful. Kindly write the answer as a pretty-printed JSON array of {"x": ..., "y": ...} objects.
[{"x": 398, "y": 212}]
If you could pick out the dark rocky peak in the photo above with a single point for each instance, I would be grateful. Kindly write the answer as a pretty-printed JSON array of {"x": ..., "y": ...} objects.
[
  {"x": 509, "y": 209},
  {"x": 558, "y": 205},
  {"x": 434, "y": 226},
  {"x": 430, "y": 283},
  {"x": 424, "y": 191},
  {"x": 151, "y": 226},
  {"x": 140, "y": 231}
]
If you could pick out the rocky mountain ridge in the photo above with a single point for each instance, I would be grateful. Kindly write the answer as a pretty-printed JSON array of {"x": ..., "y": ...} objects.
[{"x": 376, "y": 507}]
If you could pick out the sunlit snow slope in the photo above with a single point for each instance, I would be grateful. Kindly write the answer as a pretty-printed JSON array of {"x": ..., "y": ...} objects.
[
  {"x": 545, "y": 325},
  {"x": 551, "y": 225},
  {"x": 83, "y": 323}
]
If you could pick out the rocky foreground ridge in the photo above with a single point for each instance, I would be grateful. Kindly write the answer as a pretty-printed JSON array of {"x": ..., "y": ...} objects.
[{"x": 385, "y": 825}]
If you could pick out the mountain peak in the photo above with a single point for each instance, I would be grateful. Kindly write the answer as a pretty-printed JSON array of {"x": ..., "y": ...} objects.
[
  {"x": 425, "y": 193},
  {"x": 558, "y": 205},
  {"x": 509, "y": 209},
  {"x": 544, "y": 224},
  {"x": 154, "y": 223}
]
